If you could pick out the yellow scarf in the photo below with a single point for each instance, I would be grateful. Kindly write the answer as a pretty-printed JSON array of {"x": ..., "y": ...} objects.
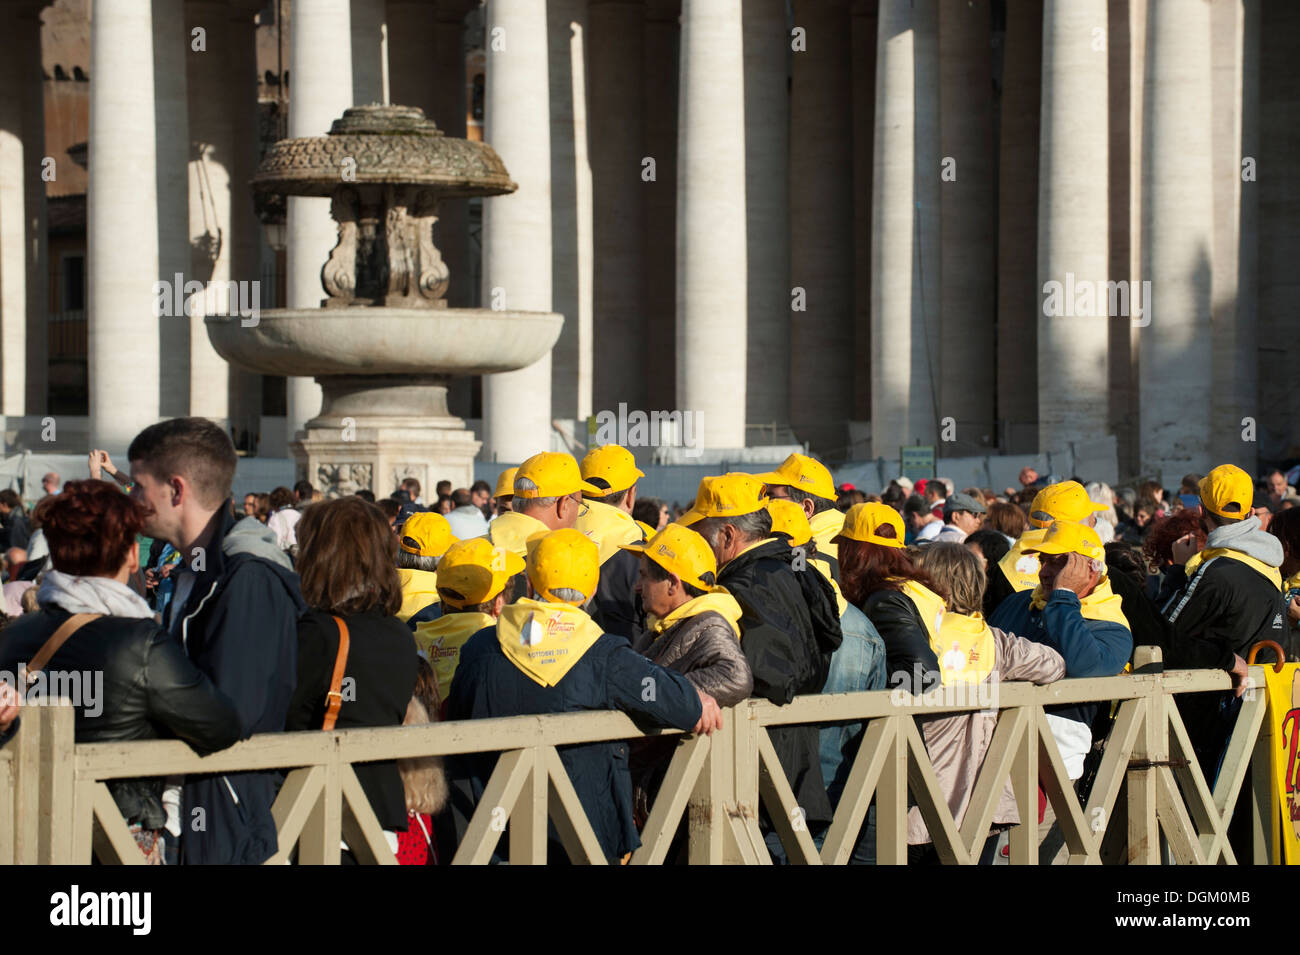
[
  {"x": 419, "y": 589},
  {"x": 824, "y": 526},
  {"x": 439, "y": 642},
  {"x": 1020, "y": 569},
  {"x": 544, "y": 639},
  {"x": 608, "y": 526},
  {"x": 825, "y": 568},
  {"x": 1102, "y": 604},
  {"x": 718, "y": 600},
  {"x": 962, "y": 643},
  {"x": 1273, "y": 575},
  {"x": 512, "y": 529}
]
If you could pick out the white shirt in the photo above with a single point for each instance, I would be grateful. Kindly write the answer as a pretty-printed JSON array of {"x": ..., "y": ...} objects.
[
  {"x": 930, "y": 531},
  {"x": 467, "y": 522}
]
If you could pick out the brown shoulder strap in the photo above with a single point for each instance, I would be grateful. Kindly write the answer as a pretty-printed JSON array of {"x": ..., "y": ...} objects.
[
  {"x": 58, "y": 639},
  {"x": 334, "y": 698}
]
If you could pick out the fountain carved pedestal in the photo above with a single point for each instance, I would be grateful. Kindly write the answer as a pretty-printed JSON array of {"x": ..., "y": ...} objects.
[{"x": 384, "y": 342}]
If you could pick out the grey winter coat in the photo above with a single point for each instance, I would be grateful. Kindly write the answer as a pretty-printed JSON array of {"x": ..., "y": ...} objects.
[{"x": 704, "y": 649}]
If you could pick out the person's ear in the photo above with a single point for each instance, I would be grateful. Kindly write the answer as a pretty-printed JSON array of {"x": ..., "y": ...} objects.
[
  {"x": 132, "y": 558},
  {"x": 498, "y": 604},
  {"x": 179, "y": 489},
  {"x": 807, "y": 506}
]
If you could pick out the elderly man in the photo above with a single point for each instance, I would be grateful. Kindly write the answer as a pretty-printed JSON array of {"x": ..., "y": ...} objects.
[
  {"x": 962, "y": 515},
  {"x": 466, "y": 518},
  {"x": 546, "y": 655},
  {"x": 548, "y": 490},
  {"x": 608, "y": 521},
  {"x": 809, "y": 484},
  {"x": 1074, "y": 611},
  {"x": 50, "y": 483},
  {"x": 791, "y": 625},
  {"x": 423, "y": 539}
]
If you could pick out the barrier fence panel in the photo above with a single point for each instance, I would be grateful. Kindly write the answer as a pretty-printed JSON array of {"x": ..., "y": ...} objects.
[{"x": 720, "y": 794}]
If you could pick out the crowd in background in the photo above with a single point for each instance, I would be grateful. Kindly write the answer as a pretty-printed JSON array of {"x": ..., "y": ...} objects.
[{"x": 562, "y": 588}]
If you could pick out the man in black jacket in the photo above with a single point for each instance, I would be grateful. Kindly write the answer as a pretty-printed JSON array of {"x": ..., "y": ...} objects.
[
  {"x": 790, "y": 627},
  {"x": 1223, "y": 601},
  {"x": 235, "y": 611},
  {"x": 608, "y": 521}
]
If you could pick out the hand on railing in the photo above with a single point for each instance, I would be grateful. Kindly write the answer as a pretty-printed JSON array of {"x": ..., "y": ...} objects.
[
  {"x": 9, "y": 706},
  {"x": 1240, "y": 672},
  {"x": 710, "y": 715}
]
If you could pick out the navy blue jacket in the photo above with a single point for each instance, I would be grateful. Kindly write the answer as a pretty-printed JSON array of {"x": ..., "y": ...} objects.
[
  {"x": 240, "y": 626},
  {"x": 610, "y": 676},
  {"x": 1089, "y": 647}
]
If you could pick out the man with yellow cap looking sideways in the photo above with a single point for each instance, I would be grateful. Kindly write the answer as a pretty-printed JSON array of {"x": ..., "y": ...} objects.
[
  {"x": 1223, "y": 600},
  {"x": 809, "y": 484},
  {"x": 1073, "y": 611},
  {"x": 505, "y": 491},
  {"x": 424, "y": 538},
  {"x": 791, "y": 625},
  {"x": 475, "y": 580},
  {"x": 1064, "y": 501},
  {"x": 548, "y": 491},
  {"x": 545, "y": 655},
  {"x": 608, "y": 522},
  {"x": 693, "y": 623}
]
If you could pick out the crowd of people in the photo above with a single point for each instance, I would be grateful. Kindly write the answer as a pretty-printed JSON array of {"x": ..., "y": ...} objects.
[{"x": 562, "y": 589}]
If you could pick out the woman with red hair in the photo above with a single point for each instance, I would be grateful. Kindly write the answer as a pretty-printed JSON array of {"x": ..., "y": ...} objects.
[{"x": 128, "y": 677}]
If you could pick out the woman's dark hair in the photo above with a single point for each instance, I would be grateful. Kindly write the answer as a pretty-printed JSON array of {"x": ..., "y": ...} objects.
[
  {"x": 388, "y": 507},
  {"x": 655, "y": 572},
  {"x": 1006, "y": 518},
  {"x": 91, "y": 527},
  {"x": 1128, "y": 559},
  {"x": 347, "y": 558},
  {"x": 281, "y": 497},
  {"x": 646, "y": 510},
  {"x": 992, "y": 544},
  {"x": 263, "y": 511},
  {"x": 866, "y": 568},
  {"x": 1159, "y": 543}
]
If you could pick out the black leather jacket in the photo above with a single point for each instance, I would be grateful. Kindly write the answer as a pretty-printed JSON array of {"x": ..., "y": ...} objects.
[{"x": 140, "y": 685}]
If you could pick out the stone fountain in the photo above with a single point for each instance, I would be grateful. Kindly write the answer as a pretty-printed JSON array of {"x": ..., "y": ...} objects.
[{"x": 384, "y": 342}]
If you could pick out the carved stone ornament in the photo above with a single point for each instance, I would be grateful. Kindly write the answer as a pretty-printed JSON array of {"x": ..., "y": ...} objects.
[{"x": 340, "y": 480}]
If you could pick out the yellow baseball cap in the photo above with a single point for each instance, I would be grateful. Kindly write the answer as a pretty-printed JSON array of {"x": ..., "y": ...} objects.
[
  {"x": 788, "y": 518},
  {"x": 476, "y": 571},
  {"x": 1068, "y": 537},
  {"x": 506, "y": 483},
  {"x": 565, "y": 558},
  {"x": 613, "y": 465},
  {"x": 727, "y": 495},
  {"x": 1067, "y": 501},
  {"x": 681, "y": 551},
  {"x": 552, "y": 474},
  {"x": 862, "y": 521},
  {"x": 1225, "y": 486},
  {"x": 426, "y": 534},
  {"x": 802, "y": 472}
]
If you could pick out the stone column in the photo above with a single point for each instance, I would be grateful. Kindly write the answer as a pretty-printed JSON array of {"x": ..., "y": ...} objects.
[
  {"x": 1177, "y": 241},
  {"x": 1124, "y": 83},
  {"x": 1073, "y": 228},
  {"x": 367, "y": 36},
  {"x": 905, "y": 229},
  {"x": 661, "y": 202},
  {"x": 616, "y": 94},
  {"x": 27, "y": 29},
  {"x": 13, "y": 239},
  {"x": 711, "y": 250},
  {"x": 212, "y": 111},
  {"x": 968, "y": 206},
  {"x": 517, "y": 228},
  {"x": 865, "y": 28},
  {"x": 572, "y": 226},
  {"x": 172, "y": 58},
  {"x": 1277, "y": 172},
  {"x": 770, "y": 182},
  {"x": 122, "y": 225},
  {"x": 1019, "y": 296},
  {"x": 447, "y": 108},
  {"x": 321, "y": 89}
]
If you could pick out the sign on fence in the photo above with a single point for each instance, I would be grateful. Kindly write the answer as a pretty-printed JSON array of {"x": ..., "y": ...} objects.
[{"x": 1284, "y": 719}]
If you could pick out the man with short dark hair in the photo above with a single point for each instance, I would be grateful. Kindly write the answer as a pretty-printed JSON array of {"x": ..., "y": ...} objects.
[
  {"x": 465, "y": 517},
  {"x": 412, "y": 487},
  {"x": 303, "y": 493},
  {"x": 920, "y": 519},
  {"x": 15, "y": 529},
  {"x": 235, "y": 610},
  {"x": 442, "y": 489},
  {"x": 480, "y": 495}
]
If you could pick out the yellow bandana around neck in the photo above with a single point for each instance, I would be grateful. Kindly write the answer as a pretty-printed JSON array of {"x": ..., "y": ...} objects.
[
  {"x": 717, "y": 600},
  {"x": 545, "y": 639},
  {"x": 1273, "y": 575},
  {"x": 1102, "y": 604},
  {"x": 419, "y": 590},
  {"x": 962, "y": 643},
  {"x": 608, "y": 526},
  {"x": 824, "y": 526},
  {"x": 1020, "y": 569},
  {"x": 439, "y": 641}
]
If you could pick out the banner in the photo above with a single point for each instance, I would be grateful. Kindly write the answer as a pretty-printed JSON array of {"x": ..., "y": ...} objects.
[{"x": 1284, "y": 720}]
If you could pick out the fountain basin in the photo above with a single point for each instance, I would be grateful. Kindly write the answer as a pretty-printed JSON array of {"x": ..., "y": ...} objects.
[{"x": 311, "y": 342}]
